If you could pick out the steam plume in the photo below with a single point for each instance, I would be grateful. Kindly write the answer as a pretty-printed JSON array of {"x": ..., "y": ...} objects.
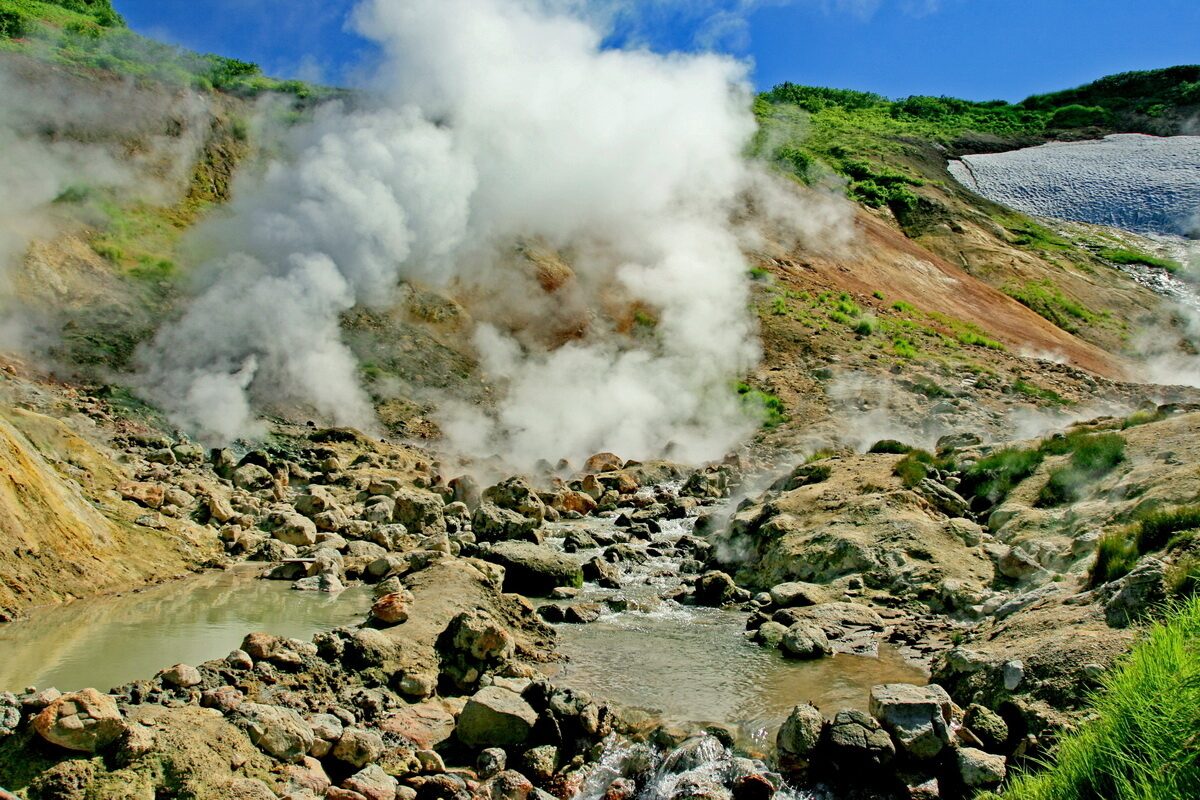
[{"x": 502, "y": 121}]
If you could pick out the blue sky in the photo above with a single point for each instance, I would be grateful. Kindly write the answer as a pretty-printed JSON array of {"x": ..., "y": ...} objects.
[{"x": 979, "y": 49}]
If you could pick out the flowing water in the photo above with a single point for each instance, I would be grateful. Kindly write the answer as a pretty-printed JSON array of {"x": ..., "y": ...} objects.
[
  {"x": 108, "y": 641},
  {"x": 690, "y": 664}
]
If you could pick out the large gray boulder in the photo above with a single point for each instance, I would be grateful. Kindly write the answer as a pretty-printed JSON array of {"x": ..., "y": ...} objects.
[
  {"x": 918, "y": 717},
  {"x": 278, "y": 732},
  {"x": 532, "y": 569},
  {"x": 798, "y": 594},
  {"x": 495, "y": 717}
]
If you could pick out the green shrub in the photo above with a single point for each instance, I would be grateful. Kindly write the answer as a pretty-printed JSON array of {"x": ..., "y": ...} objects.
[
  {"x": 1077, "y": 116},
  {"x": 1143, "y": 731},
  {"x": 1156, "y": 529},
  {"x": 1116, "y": 555},
  {"x": 891, "y": 447},
  {"x": 13, "y": 25}
]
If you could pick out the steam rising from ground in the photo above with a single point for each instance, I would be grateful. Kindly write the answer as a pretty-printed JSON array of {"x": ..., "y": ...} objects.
[{"x": 503, "y": 121}]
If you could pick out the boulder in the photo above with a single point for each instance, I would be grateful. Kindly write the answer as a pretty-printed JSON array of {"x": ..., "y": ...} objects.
[
  {"x": 251, "y": 477},
  {"x": 295, "y": 529},
  {"x": 278, "y": 732},
  {"x": 372, "y": 783},
  {"x": 603, "y": 462},
  {"x": 805, "y": 640},
  {"x": 495, "y": 717},
  {"x": 798, "y": 594},
  {"x": 980, "y": 770},
  {"x": 420, "y": 512},
  {"x": 358, "y": 747},
  {"x": 182, "y": 676},
  {"x": 857, "y": 740},
  {"x": 534, "y": 570},
  {"x": 491, "y": 523},
  {"x": 577, "y": 502},
  {"x": 1138, "y": 592},
  {"x": 516, "y": 495},
  {"x": 150, "y": 495},
  {"x": 716, "y": 589},
  {"x": 770, "y": 634},
  {"x": 988, "y": 726},
  {"x": 84, "y": 721},
  {"x": 392, "y": 609},
  {"x": 800, "y": 733},
  {"x": 918, "y": 717}
]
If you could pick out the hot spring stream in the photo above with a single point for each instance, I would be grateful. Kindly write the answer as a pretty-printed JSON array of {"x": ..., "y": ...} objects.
[{"x": 689, "y": 664}]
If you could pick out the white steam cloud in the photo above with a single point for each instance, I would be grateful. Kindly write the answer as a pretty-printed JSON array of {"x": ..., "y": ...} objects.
[{"x": 504, "y": 121}]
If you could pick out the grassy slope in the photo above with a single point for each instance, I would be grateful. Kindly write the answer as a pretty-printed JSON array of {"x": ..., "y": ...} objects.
[
  {"x": 891, "y": 157},
  {"x": 1143, "y": 741}
]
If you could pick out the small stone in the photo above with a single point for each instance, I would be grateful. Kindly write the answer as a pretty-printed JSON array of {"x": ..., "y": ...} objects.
[
  {"x": 392, "y": 609},
  {"x": 182, "y": 676},
  {"x": 358, "y": 747},
  {"x": 978, "y": 769},
  {"x": 1014, "y": 673},
  {"x": 490, "y": 762},
  {"x": 801, "y": 732},
  {"x": 805, "y": 640},
  {"x": 372, "y": 783}
]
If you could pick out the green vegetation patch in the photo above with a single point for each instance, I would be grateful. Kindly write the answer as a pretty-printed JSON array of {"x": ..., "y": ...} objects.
[
  {"x": 1157, "y": 529},
  {"x": 1092, "y": 458},
  {"x": 767, "y": 406},
  {"x": 1141, "y": 738},
  {"x": 891, "y": 447},
  {"x": 1116, "y": 556},
  {"x": 1046, "y": 300},
  {"x": 1123, "y": 256}
]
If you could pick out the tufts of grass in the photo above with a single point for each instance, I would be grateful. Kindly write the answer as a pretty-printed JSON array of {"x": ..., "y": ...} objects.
[
  {"x": 1156, "y": 529},
  {"x": 1183, "y": 577},
  {"x": 1048, "y": 301},
  {"x": 914, "y": 467},
  {"x": 1143, "y": 732},
  {"x": 1122, "y": 256},
  {"x": 1142, "y": 418},
  {"x": 904, "y": 347},
  {"x": 1038, "y": 393},
  {"x": 993, "y": 477},
  {"x": 1092, "y": 458},
  {"x": 1116, "y": 555}
]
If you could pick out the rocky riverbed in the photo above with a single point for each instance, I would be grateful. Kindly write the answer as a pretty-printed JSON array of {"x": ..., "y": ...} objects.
[{"x": 769, "y": 566}]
